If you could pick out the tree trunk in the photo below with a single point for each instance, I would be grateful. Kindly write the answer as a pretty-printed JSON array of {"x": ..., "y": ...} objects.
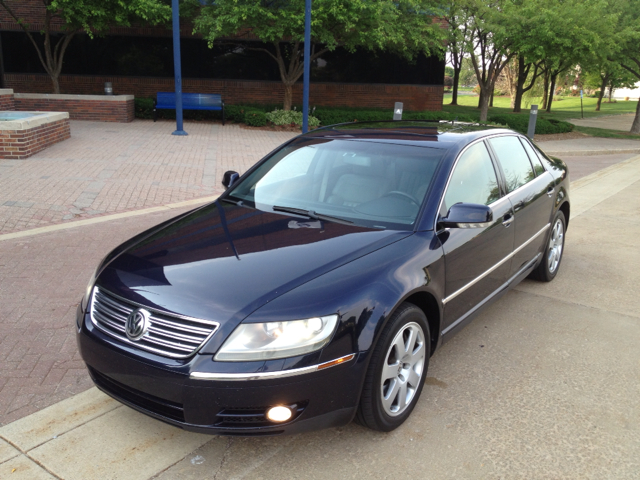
[
  {"x": 456, "y": 81},
  {"x": 491, "y": 100},
  {"x": 611, "y": 91},
  {"x": 481, "y": 99},
  {"x": 288, "y": 96},
  {"x": 56, "y": 84},
  {"x": 545, "y": 95},
  {"x": 601, "y": 94},
  {"x": 635, "y": 126},
  {"x": 551, "y": 91},
  {"x": 484, "y": 106},
  {"x": 521, "y": 79}
]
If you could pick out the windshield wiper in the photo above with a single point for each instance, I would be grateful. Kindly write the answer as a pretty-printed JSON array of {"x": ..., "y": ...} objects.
[
  {"x": 235, "y": 202},
  {"x": 311, "y": 214}
]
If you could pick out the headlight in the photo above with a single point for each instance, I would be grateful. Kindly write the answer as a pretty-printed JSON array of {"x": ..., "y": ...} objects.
[
  {"x": 87, "y": 292},
  {"x": 266, "y": 341}
]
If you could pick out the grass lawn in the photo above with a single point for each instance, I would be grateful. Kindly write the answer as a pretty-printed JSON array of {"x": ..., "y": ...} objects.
[{"x": 562, "y": 108}]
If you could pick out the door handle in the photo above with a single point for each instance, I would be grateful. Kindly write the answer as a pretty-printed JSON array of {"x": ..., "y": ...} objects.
[
  {"x": 550, "y": 191},
  {"x": 508, "y": 219}
]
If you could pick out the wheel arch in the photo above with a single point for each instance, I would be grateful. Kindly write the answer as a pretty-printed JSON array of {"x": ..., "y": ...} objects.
[
  {"x": 565, "y": 208},
  {"x": 426, "y": 302}
]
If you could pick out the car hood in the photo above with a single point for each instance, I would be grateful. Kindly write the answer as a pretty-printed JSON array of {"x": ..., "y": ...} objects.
[{"x": 223, "y": 261}]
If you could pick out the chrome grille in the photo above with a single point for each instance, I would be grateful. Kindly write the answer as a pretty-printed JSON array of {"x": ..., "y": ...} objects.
[{"x": 169, "y": 335}]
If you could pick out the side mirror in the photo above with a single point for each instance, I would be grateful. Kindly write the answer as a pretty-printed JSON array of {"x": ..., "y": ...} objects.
[
  {"x": 468, "y": 215},
  {"x": 229, "y": 178}
]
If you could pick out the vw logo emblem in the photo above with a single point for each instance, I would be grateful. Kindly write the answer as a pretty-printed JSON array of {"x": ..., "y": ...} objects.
[{"x": 137, "y": 324}]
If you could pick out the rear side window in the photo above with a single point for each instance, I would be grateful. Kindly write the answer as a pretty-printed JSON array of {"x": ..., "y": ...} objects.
[
  {"x": 514, "y": 161},
  {"x": 535, "y": 159},
  {"x": 474, "y": 179}
]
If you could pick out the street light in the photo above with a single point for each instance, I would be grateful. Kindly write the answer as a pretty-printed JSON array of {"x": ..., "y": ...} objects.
[{"x": 177, "y": 67}]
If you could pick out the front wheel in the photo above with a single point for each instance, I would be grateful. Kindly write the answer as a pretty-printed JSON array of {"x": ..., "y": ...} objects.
[
  {"x": 552, "y": 256},
  {"x": 397, "y": 370}
]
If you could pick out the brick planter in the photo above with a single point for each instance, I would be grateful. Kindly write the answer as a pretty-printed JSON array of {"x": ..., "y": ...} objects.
[
  {"x": 6, "y": 99},
  {"x": 96, "y": 108},
  {"x": 21, "y": 138}
]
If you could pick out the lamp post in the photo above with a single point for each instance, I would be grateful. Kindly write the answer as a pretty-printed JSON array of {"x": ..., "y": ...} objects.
[
  {"x": 177, "y": 68},
  {"x": 307, "y": 66}
]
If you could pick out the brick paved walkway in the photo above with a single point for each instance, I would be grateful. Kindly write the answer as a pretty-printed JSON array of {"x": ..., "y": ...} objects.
[
  {"x": 108, "y": 168},
  {"x": 42, "y": 280}
]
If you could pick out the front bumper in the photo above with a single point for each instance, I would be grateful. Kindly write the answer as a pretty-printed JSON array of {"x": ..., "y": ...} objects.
[{"x": 322, "y": 399}]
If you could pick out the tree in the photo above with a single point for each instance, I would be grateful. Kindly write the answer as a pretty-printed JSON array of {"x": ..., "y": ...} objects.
[
  {"x": 550, "y": 37},
  {"x": 408, "y": 27},
  {"x": 628, "y": 52},
  {"x": 90, "y": 16},
  {"x": 607, "y": 75},
  {"x": 457, "y": 41},
  {"x": 490, "y": 45}
]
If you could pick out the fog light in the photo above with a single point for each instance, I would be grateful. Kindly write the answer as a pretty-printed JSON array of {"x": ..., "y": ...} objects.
[{"x": 279, "y": 414}]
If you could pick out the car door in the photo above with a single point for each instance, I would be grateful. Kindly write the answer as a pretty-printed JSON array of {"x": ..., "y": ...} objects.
[
  {"x": 477, "y": 260},
  {"x": 530, "y": 189}
]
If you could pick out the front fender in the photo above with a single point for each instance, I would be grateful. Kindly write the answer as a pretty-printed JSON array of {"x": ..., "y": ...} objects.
[{"x": 365, "y": 292}]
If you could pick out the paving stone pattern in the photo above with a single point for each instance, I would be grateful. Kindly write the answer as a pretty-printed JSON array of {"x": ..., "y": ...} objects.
[
  {"x": 109, "y": 168},
  {"x": 42, "y": 279}
]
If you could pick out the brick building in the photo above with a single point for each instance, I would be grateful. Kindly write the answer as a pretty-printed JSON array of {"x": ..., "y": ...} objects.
[{"x": 139, "y": 61}]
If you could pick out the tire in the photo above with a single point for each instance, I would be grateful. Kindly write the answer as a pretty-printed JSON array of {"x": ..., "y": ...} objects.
[
  {"x": 397, "y": 370},
  {"x": 553, "y": 250}
]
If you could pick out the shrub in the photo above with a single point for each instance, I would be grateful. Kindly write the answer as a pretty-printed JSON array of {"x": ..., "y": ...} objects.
[
  {"x": 520, "y": 123},
  {"x": 255, "y": 118},
  {"x": 290, "y": 117},
  {"x": 144, "y": 107}
]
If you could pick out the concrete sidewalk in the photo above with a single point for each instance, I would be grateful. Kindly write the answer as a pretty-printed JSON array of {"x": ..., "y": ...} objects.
[
  {"x": 545, "y": 383},
  {"x": 609, "y": 122},
  {"x": 589, "y": 146}
]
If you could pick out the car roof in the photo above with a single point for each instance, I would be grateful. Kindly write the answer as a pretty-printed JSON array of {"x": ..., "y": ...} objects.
[{"x": 433, "y": 134}]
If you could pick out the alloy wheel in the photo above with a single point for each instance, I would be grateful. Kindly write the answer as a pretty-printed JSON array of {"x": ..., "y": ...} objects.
[
  {"x": 556, "y": 243},
  {"x": 402, "y": 369}
]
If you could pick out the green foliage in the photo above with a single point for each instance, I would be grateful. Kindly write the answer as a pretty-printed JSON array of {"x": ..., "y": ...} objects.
[
  {"x": 255, "y": 118},
  {"x": 290, "y": 117},
  {"x": 331, "y": 116},
  {"x": 520, "y": 123},
  {"x": 407, "y": 27},
  {"x": 144, "y": 107},
  {"x": 96, "y": 16}
]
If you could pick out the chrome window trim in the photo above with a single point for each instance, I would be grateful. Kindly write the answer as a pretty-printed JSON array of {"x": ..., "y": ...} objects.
[
  {"x": 535, "y": 151},
  {"x": 499, "y": 289},
  {"x": 243, "y": 377},
  {"x": 497, "y": 265},
  {"x": 444, "y": 192}
]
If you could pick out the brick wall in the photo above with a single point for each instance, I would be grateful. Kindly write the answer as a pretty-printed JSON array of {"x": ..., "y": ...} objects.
[
  {"x": 6, "y": 100},
  {"x": 33, "y": 12},
  {"x": 234, "y": 92},
  {"x": 119, "y": 108},
  {"x": 19, "y": 144}
]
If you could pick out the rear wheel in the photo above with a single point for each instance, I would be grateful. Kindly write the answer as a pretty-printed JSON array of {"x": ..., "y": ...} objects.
[
  {"x": 552, "y": 256},
  {"x": 397, "y": 370}
]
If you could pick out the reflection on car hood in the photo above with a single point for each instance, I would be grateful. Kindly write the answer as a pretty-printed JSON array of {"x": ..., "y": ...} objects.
[{"x": 222, "y": 262}]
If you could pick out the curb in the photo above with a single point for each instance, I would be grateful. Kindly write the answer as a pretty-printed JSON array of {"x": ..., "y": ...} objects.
[{"x": 589, "y": 153}]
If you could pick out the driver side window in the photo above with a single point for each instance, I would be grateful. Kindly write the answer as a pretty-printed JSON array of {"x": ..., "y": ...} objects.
[{"x": 473, "y": 180}]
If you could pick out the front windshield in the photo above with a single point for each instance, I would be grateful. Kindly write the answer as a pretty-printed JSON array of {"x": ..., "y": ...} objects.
[{"x": 379, "y": 185}]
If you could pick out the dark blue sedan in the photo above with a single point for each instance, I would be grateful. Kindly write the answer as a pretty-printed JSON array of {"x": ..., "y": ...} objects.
[{"x": 317, "y": 287}]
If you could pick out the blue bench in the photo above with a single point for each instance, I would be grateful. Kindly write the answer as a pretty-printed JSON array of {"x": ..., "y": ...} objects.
[{"x": 190, "y": 101}]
